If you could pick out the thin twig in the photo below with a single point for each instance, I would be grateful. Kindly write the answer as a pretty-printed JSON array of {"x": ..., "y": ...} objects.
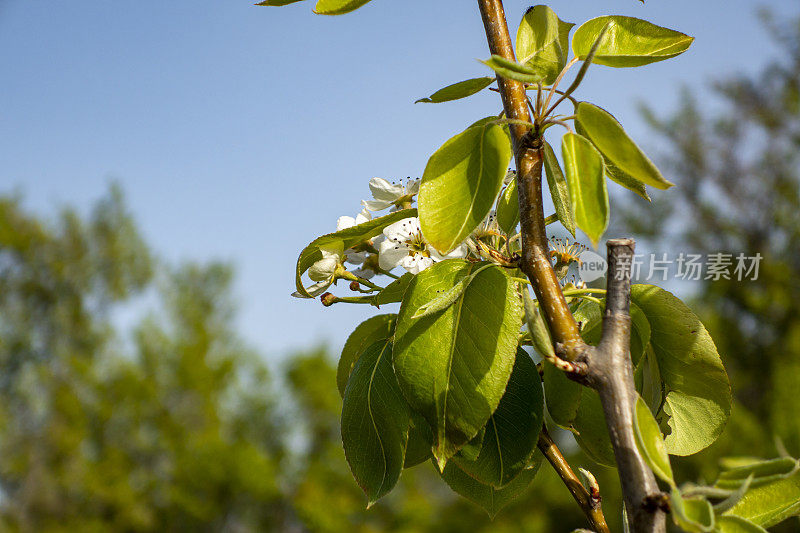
[{"x": 589, "y": 503}]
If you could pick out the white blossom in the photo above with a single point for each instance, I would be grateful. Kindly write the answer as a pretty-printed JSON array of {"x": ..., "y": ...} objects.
[
  {"x": 344, "y": 222},
  {"x": 405, "y": 246},
  {"x": 387, "y": 194}
]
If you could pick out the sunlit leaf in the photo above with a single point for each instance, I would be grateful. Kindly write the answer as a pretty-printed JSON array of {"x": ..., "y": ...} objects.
[
  {"x": 607, "y": 135},
  {"x": 650, "y": 442},
  {"x": 762, "y": 472},
  {"x": 543, "y": 42},
  {"x": 375, "y": 420},
  {"x": 490, "y": 498},
  {"x": 337, "y": 7},
  {"x": 736, "y": 524},
  {"x": 693, "y": 515},
  {"x": 458, "y": 90},
  {"x": 698, "y": 399},
  {"x": 394, "y": 291},
  {"x": 460, "y": 183},
  {"x": 453, "y": 366},
  {"x": 513, "y": 70},
  {"x": 587, "y": 185},
  {"x": 559, "y": 191},
  {"x": 771, "y": 503},
  {"x": 508, "y": 208},
  {"x": 629, "y": 42}
]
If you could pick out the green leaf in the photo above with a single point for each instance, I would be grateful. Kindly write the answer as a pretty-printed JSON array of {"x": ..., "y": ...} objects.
[
  {"x": 587, "y": 186},
  {"x": 490, "y": 498},
  {"x": 513, "y": 429},
  {"x": 372, "y": 330},
  {"x": 771, "y": 503},
  {"x": 342, "y": 240},
  {"x": 563, "y": 396},
  {"x": 693, "y": 515},
  {"x": 453, "y": 366},
  {"x": 651, "y": 443},
  {"x": 537, "y": 329},
  {"x": 472, "y": 449},
  {"x": 513, "y": 70},
  {"x": 394, "y": 291},
  {"x": 420, "y": 440},
  {"x": 543, "y": 42},
  {"x": 460, "y": 183},
  {"x": 458, "y": 90},
  {"x": 559, "y": 191},
  {"x": 607, "y": 135},
  {"x": 698, "y": 396},
  {"x": 508, "y": 208},
  {"x": 762, "y": 471},
  {"x": 277, "y": 2},
  {"x": 337, "y": 7},
  {"x": 591, "y": 431},
  {"x": 629, "y": 42},
  {"x": 735, "y": 524},
  {"x": 621, "y": 178},
  {"x": 375, "y": 420},
  {"x": 444, "y": 299}
]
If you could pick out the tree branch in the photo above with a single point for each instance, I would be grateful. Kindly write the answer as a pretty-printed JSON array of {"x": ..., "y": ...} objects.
[
  {"x": 610, "y": 372},
  {"x": 528, "y": 154},
  {"x": 608, "y": 365},
  {"x": 590, "y": 504}
]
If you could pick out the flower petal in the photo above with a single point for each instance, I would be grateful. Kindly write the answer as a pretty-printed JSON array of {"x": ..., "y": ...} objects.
[
  {"x": 391, "y": 254},
  {"x": 323, "y": 269},
  {"x": 345, "y": 222},
  {"x": 412, "y": 187},
  {"x": 376, "y": 205},
  {"x": 383, "y": 190}
]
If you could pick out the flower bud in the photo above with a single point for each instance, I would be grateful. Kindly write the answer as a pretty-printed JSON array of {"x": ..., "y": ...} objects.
[{"x": 327, "y": 299}]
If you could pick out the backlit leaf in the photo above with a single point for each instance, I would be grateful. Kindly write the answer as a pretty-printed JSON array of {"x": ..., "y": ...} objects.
[
  {"x": 460, "y": 183},
  {"x": 337, "y": 7},
  {"x": 587, "y": 185},
  {"x": 453, "y": 366},
  {"x": 698, "y": 399},
  {"x": 372, "y": 330},
  {"x": 458, "y": 90},
  {"x": 629, "y": 42},
  {"x": 607, "y": 135},
  {"x": 650, "y": 442},
  {"x": 559, "y": 191},
  {"x": 543, "y": 42}
]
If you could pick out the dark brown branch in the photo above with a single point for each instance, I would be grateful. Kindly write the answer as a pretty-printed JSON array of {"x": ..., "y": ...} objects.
[{"x": 589, "y": 503}]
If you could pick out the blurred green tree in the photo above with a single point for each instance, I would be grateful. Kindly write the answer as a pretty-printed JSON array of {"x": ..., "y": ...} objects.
[{"x": 173, "y": 431}]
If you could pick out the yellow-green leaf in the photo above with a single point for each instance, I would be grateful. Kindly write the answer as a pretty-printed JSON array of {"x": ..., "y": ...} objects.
[
  {"x": 629, "y": 42},
  {"x": 461, "y": 182},
  {"x": 559, "y": 191},
  {"x": 587, "y": 185},
  {"x": 650, "y": 442},
  {"x": 610, "y": 139},
  {"x": 458, "y": 90},
  {"x": 337, "y": 7},
  {"x": 543, "y": 42}
]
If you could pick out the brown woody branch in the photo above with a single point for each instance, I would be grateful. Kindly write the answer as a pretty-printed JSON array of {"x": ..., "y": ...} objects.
[{"x": 607, "y": 367}]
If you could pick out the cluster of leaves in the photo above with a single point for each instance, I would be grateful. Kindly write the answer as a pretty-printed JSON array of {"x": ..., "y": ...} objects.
[{"x": 447, "y": 379}]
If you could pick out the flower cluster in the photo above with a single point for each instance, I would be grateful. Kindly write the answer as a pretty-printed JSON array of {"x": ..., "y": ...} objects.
[{"x": 402, "y": 244}]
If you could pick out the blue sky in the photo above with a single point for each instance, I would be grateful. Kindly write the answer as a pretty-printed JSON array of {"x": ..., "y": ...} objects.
[{"x": 242, "y": 132}]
